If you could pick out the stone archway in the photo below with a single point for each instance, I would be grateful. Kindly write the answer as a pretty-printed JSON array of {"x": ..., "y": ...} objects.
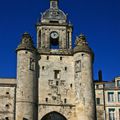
[{"x": 53, "y": 116}]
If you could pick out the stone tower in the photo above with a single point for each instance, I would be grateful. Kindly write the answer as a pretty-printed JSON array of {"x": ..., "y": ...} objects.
[
  {"x": 66, "y": 90},
  {"x": 26, "y": 96},
  {"x": 83, "y": 80}
]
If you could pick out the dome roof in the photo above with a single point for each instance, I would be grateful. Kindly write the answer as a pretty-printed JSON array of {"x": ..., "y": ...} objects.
[
  {"x": 82, "y": 45},
  {"x": 26, "y": 43},
  {"x": 53, "y": 15}
]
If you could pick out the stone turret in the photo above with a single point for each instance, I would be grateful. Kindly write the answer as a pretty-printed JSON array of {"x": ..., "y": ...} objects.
[
  {"x": 82, "y": 45},
  {"x": 26, "y": 43},
  {"x": 83, "y": 58},
  {"x": 26, "y": 96}
]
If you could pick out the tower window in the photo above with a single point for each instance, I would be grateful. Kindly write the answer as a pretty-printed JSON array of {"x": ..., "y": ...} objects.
[
  {"x": 32, "y": 64},
  {"x": 43, "y": 67},
  {"x": 7, "y": 93},
  {"x": 7, "y": 105},
  {"x": 57, "y": 74},
  {"x": 65, "y": 100},
  {"x": 60, "y": 58},
  {"x": 26, "y": 52},
  {"x": 57, "y": 83},
  {"x": 6, "y": 118},
  {"x": 46, "y": 99},
  {"x": 65, "y": 68},
  {"x": 82, "y": 54},
  {"x": 71, "y": 85},
  {"x": 47, "y": 57}
]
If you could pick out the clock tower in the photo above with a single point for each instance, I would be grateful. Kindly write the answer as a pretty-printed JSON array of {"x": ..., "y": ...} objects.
[
  {"x": 53, "y": 32},
  {"x": 65, "y": 79}
]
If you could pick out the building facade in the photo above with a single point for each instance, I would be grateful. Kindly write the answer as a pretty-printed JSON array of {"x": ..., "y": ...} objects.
[
  {"x": 54, "y": 80},
  {"x": 108, "y": 99}
]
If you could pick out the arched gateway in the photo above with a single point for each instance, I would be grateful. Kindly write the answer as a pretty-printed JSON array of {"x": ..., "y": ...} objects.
[{"x": 53, "y": 116}]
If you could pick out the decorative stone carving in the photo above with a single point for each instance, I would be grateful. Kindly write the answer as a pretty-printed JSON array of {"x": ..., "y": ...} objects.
[
  {"x": 82, "y": 45},
  {"x": 78, "y": 66},
  {"x": 26, "y": 43}
]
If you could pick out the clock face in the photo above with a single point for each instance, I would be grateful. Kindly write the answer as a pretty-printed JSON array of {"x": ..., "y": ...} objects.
[{"x": 54, "y": 35}]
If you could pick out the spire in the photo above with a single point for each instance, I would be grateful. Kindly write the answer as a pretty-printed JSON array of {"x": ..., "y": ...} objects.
[
  {"x": 54, "y": 4},
  {"x": 82, "y": 45},
  {"x": 81, "y": 40},
  {"x": 26, "y": 43}
]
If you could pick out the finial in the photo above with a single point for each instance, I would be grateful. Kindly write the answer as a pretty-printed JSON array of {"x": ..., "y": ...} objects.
[
  {"x": 54, "y": 4},
  {"x": 25, "y": 33},
  {"x": 82, "y": 36},
  {"x": 26, "y": 43},
  {"x": 81, "y": 40}
]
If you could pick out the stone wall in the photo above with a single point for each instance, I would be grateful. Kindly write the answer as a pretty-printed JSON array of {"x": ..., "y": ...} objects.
[
  {"x": 84, "y": 88},
  {"x": 56, "y": 84},
  {"x": 7, "y": 99},
  {"x": 26, "y": 85}
]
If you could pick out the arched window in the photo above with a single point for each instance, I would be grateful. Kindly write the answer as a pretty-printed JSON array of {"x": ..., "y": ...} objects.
[
  {"x": 25, "y": 119},
  {"x": 68, "y": 37},
  {"x": 39, "y": 39}
]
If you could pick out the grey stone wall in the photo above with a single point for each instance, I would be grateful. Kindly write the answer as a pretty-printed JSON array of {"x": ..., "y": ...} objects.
[
  {"x": 7, "y": 99},
  {"x": 84, "y": 88},
  {"x": 56, "y": 93},
  {"x": 74, "y": 85},
  {"x": 26, "y": 85}
]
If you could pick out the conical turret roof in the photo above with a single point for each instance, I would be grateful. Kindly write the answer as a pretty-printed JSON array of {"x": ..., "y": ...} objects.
[
  {"x": 82, "y": 45},
  {"x": 26, "y": 43}
]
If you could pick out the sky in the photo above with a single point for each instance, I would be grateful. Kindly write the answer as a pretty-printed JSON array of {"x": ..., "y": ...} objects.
[{"x": 98, "y": 20}]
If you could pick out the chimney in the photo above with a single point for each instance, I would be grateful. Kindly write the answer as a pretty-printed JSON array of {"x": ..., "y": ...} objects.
[{"x": 100, "y": 76}]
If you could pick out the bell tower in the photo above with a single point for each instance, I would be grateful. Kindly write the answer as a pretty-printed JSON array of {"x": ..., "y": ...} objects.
[
  {"x": 65, "y": 82},
  {"x": 54, "y": 33}
]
